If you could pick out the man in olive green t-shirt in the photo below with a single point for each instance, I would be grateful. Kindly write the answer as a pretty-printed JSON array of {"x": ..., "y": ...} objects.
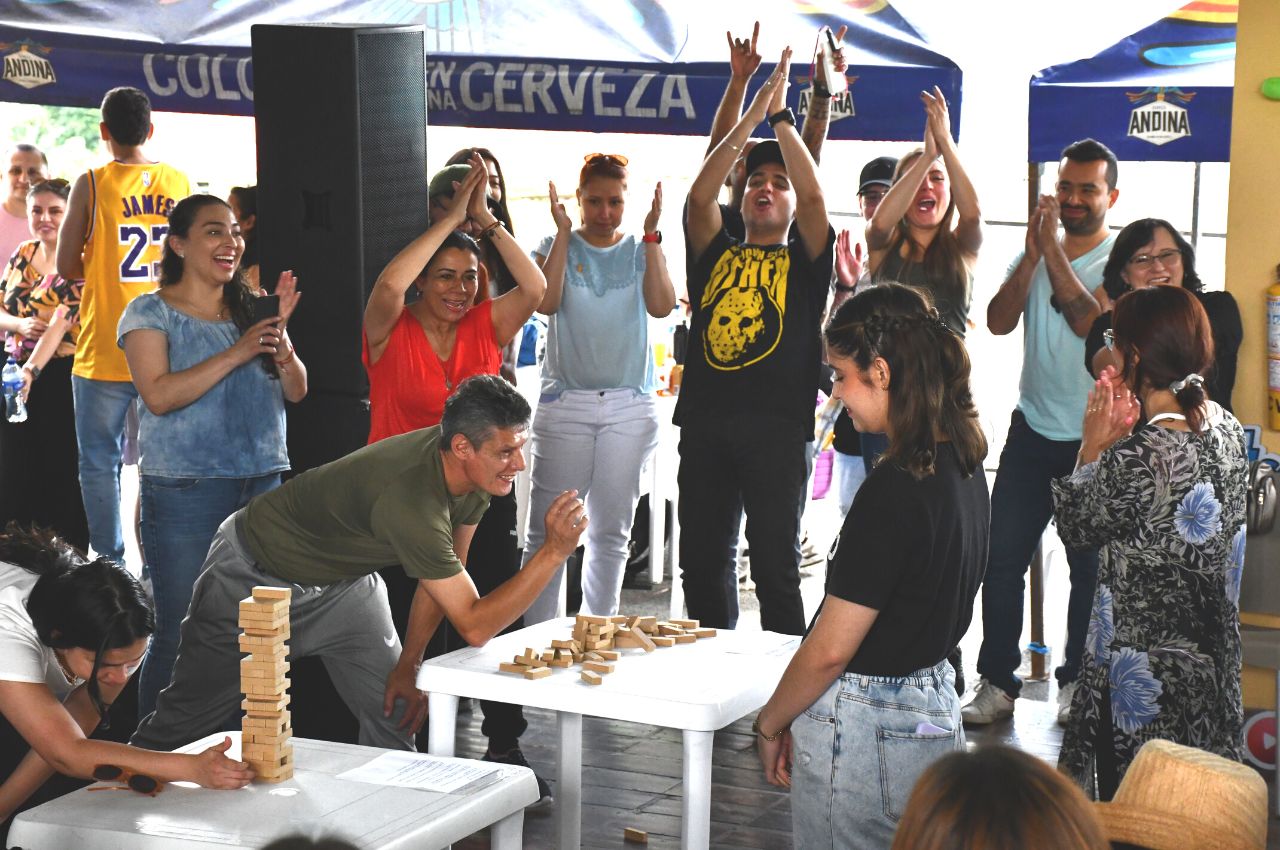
[{"x": 412, "y": 500}]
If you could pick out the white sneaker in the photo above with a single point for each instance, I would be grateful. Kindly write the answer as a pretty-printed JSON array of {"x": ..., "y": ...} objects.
[
  {"x": 988, "y": 705},
  {"x": 1065, "y": 694}
]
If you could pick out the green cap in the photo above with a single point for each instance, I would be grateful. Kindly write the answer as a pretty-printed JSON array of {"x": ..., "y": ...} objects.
[{"x": 442, "y": 183}]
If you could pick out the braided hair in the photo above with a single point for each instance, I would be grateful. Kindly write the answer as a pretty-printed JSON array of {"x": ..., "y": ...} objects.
[{"x": 929, "y": 391}]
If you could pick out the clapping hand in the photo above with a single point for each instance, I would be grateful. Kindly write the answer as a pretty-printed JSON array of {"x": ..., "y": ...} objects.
[
  {"x": 765, "y": 96},
  {"x": 848, "y": 259},
  {"x": 558, "y": 214},
  {"x": 655, "y": 211},
  {"x": 1109, "y": 415}
]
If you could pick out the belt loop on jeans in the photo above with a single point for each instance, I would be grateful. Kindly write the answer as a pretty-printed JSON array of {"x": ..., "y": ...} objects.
[{"x": 864, "y": 682}]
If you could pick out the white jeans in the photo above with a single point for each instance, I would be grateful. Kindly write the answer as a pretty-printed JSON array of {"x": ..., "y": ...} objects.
[{"x": 595, "y": 442}]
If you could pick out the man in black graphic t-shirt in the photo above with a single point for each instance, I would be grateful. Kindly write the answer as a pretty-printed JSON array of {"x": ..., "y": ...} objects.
[{"x": 751, "y": 373}]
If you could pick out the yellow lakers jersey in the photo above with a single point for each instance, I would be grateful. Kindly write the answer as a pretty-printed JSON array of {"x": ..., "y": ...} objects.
[{"x": 129, "y": 208}]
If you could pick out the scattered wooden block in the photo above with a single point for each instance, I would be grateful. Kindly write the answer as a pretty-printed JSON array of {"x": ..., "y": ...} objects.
[
  {"x": 684, "y": 624},
  {"x": 593, "y": 620},
  {"x": 667, "y": 629},
  {"x": 510, "y": 667},
  {"x": 565, "y": 662},
  {"x": 686, "y": 638},
  {"x": 549, "y": 655},
  {"x": 606, "y": 629},
  {"x": 537, "y": 672},
  {"x": 646, "y": 642},
  {"x": 562, "y": 644},
  {"x": 608, "y": 654},
  {"x": 635, "y": 836},
  {"x": 649, "y": 625},
  {"x": 704, "y": 633},
  {"x": 591, "y": 677},
  {"x": 595, "y": 656},
  {"x": 626, "y": 638},
  {"x": 597, "y": 667},
  {"x": 662, "y": 641},
  {"x": 618, "y": 620}
]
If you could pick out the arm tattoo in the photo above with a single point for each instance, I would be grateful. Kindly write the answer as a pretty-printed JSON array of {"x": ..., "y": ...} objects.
[{"x": 1079, "y": 307}]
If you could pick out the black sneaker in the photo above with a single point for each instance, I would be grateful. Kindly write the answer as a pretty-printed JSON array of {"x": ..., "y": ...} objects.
[{"x": 516, "y": 757}]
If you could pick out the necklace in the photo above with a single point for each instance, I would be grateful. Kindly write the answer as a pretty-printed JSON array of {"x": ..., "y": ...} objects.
[
  {"x": 201, "y": 312},
  {"x": 71, "y": 678}
]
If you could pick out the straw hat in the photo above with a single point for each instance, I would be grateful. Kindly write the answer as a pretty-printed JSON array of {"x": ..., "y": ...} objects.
[{"x": 1178, "y": 798}]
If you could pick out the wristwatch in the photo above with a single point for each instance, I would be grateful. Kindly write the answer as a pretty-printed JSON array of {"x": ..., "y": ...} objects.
[
  {"x": 782, "y": 115},
  {"x": 655, "y": 236},
  {"x": 33, "y": 369}
]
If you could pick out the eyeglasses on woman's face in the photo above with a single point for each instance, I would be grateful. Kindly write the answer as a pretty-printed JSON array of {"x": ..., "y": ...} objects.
[{"x": 1169, "y": 258}]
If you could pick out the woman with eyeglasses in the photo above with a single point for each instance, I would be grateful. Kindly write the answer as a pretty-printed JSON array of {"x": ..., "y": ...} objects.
[
  {"x": 40, "y": 317},
  {"x": 596, "y": 423},
  {"x": 213, "y": 376},
  {"x": 72, "y": 632},
  {"x": 1151, "y": 252},
  {"x": 1160, "y": 488}
]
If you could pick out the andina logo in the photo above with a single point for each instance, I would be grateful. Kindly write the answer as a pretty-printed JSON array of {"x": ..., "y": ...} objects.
[
  {"x": 27, "y": 66},
  {"x": 1160, "y": 115}
]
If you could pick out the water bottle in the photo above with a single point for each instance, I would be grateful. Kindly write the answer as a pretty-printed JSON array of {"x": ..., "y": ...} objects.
[{"x": 15, "y": 408}]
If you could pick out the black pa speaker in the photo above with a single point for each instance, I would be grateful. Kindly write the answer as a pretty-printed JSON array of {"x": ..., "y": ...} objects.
[{"x": 341, "y": 116}]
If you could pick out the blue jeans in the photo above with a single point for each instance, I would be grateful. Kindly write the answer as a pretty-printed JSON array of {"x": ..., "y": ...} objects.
[
  {"x": 1021, "y": 506},
  {"x": 849, "y": 473},
  {"x": 179, "y": 518},
  {"x": 101, "y": 407},
  {"x": 859, "y": 749}
]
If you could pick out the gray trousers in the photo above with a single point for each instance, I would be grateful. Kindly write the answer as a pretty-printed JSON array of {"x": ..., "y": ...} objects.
[{"x": 347, "y": 624}]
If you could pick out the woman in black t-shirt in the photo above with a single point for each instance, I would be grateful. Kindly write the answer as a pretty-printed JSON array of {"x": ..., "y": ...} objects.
[{"x": 871, "y": 686}]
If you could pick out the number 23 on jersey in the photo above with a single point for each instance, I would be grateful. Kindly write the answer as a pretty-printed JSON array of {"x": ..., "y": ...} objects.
[{"x": 139, "y": 239}]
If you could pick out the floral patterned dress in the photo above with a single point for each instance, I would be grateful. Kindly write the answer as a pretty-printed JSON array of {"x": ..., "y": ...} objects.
[{"x": 1162, "y": 654}]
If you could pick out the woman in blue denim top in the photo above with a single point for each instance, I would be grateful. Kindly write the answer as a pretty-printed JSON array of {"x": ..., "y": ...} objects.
[
  {"x": 869, "y": 700},
  {"x": 213, "y": 384}
]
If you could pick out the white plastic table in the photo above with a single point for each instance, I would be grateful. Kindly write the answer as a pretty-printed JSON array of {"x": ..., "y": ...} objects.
[
  {"x": 697, "y": 688},
  {"x": 313, "y": 802}
]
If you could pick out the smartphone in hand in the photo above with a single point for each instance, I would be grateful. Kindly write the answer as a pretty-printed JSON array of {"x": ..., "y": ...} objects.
[{"x": 265, "y": 307}]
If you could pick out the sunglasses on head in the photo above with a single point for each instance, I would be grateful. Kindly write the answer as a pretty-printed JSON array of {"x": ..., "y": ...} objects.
[
  {"x": 612, "y": 158},
  {"x": 138, "y": 782}
]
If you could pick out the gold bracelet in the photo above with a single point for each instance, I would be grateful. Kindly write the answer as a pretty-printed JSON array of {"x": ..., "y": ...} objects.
[{"x": 755, "y": 727}]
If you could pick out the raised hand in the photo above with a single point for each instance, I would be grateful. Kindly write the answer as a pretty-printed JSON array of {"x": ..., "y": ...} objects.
[
  {"x": 558, "y": 213},
  {"x": 478, "y": 201},
  {"x": 655, "y": 211},
  {"x": 456, "y": 207},
  {"x": 287, "y": 289},
  {"x": 743, "y": 58},
  {"x": 1109, "y": 415},
  {"x": 1031, "y": 244},
  {"x": 779, "y": 100},
  {"x": 848, "y": 259},
  {"x": 759, "y": 108},
  {"x": 938, "y": 118},
  {"x": 1047, "y": 229}
]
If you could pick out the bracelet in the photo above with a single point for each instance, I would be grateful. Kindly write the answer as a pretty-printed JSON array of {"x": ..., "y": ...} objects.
[
  {"x": 654, "y": 237},
  {"x": 782, "y": 115},
  {"x": 840, "y": 287},
  {"x": 737, "y": 148},
  {"x": 487, "y": 233},
  {"x": 33, "y": 369},
  {"x": 755, "y": 728},
  {"x": 286, "y": 358}
]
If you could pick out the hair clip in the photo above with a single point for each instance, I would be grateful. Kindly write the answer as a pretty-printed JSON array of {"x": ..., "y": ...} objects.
[{"x": 1192, "y": 380}]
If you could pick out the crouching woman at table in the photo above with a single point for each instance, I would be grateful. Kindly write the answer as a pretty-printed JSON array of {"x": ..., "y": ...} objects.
[
  {"x": 870, "y": 684},
  {"x": 71, "y": 634}
]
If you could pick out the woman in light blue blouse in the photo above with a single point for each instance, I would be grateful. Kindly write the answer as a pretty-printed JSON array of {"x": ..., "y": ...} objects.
[
  {"x": 213, "y": 382},
  {"x": 596, "y": 423}
]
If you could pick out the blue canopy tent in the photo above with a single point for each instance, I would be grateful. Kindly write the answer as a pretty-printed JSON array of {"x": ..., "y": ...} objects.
[
  {"x": 641, "y": 66},
  {"x": 1160, "y": 94}
]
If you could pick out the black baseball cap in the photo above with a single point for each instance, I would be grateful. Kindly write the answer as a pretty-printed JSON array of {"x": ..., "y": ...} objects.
[
  {"x": 877, "y": 172},
  {"x": 767, "y": 151}
]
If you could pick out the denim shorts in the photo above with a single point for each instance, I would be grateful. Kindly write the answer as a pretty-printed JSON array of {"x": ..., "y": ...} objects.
[{"x": 859, "y": 749}]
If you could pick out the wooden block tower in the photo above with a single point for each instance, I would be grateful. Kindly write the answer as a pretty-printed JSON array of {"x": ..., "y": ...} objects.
[{"x": 264, "y": 678}]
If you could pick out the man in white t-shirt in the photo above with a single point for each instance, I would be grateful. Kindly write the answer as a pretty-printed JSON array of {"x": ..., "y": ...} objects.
[
  {"x": 27, "y": 166},
  {"x": 1055, "y": 287}
]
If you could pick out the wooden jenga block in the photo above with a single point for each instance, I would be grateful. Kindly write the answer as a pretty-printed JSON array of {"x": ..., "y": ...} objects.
[
  {"x": 686, "y": 638},
  {"x": 262, "y": 669},
  {"x": 619, "y": 619},
  {"x": 549, "y": 655},
  {"x": 566, "y": 662},
  {"x": 255, "y": 737},
  {"x": 591, "y": 677},
  {"x": 264, "y": 610},
  {"x": 635, "y": 836},
  {"x": 648, "y": 625},
  {"x": 685, "y": 624},
  {"x": 280, "y": 632},
  {"x": 267, "y": 690},
  {"x": 264, "y": 652},
  {"x": 259, "y": 706},
  {"x": 537, "y": 672},
  {"x": 667, "y": 629},
  {"x": 646, "y": 642},
  {"x": 634, "y": 624},
  {"x": 608, "y": 654},
  {"x": 577, "y": 657},
  {"x": 269, "y": 642},
  {"x": 599, "y": 643},
  {"x": 263, "y": 592},
  {"x": 266, "y": 753},
  {"x": 272, "y": 725},
  {"x": 562, "y": 644},
  {"x": 285, "y": 773},
  {"x": 704, "y": 633},
  {"x": 597, "y": 667},
  {"x": 606, "y": 629},
  {"x": 530, "y": 660},
  {"x": 593, "y": 620},
  {"x": 626, "y": 638},
  {"x": 595, "y": 656},
  {"x": 511, "y": 667},
  {"x": 661, "y": 641}
]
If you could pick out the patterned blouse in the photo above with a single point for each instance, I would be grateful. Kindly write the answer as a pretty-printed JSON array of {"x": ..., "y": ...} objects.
[
  {"x": 25, "y": 292},
  {"x": 1162, "y": 652}
]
